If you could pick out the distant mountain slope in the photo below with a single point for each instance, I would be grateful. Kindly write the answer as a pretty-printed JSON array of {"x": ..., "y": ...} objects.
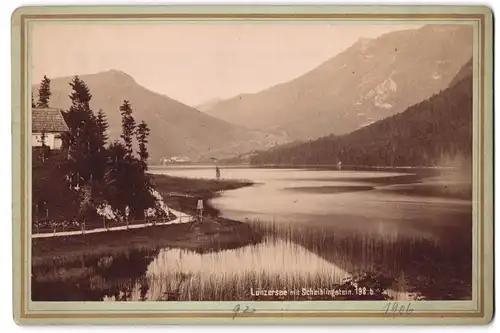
[
  {"x": 371, "y": 80},
  {"x": 435, "y": 132},
  {"x": 176, "y": 129}
]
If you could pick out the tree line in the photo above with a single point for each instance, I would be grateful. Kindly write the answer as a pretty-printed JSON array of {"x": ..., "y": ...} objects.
[{"x": 103, "y": 172}]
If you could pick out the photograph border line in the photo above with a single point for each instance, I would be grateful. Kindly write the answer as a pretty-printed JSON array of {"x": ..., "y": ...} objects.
[{"x": 24, "y": 314}]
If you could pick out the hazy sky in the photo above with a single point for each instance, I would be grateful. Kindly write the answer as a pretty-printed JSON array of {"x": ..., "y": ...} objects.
[{"x": 194, "y": 62}]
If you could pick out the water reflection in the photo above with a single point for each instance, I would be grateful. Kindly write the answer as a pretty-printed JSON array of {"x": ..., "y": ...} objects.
[
  {"x": 209, "y": 273},
  {"x": 273, "y": 256},
  {"x": 88, "y": 278}
]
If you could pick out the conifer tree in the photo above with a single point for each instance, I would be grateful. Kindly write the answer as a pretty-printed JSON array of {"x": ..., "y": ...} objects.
[
  {"x": 142, "y": 134},
  {"x": 99, "y": 151},
  {"x": 81, "y": 93},
  {"x": 44, "y": 93},
  {"x": 83, "y": 132},
  {"x": 102, "y": 126},
  {"x": 127, "y": 185},
  {"x": 128, "y": 126}
]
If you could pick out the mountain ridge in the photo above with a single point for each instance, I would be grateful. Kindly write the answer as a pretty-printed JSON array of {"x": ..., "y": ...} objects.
[
  {"x": 370, "y": 80},
  {"x": 433, "y": 132},
  {"x": 176, "y": 128}
]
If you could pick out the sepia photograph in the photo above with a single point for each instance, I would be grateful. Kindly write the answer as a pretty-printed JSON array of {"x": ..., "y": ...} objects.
[{"x": 254, "y": 160}]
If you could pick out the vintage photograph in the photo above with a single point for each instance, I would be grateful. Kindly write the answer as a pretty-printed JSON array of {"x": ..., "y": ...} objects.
[{"x": 251, "y": 161}]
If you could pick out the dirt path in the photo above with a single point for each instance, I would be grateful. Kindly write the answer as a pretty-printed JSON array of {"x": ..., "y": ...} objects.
[{"x": 181, "y": 218}]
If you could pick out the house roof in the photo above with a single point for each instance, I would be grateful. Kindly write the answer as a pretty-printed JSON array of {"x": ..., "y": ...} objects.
[{"x": 48, "y": 120}]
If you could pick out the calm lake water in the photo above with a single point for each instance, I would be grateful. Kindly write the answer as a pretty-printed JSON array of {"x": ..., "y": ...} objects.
[
  {"x": 360, "y": 201},
  {"x": 403, "y": 235}
]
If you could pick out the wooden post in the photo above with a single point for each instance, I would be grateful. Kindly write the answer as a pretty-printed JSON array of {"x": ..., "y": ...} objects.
[
  {"x": 200, "y": 210},
  {"x": 126, "y": 215},
  {"x": 37, "y": 222}
]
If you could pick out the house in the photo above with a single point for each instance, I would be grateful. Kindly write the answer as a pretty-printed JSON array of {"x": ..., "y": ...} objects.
[{"x": 51, "y": 122}]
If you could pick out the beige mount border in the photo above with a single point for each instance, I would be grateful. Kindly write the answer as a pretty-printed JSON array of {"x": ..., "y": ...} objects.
[{"x": 477, "y": 311}]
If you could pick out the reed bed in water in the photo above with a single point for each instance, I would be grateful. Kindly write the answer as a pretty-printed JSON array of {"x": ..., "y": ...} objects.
[
  {"x": 355, "y": 250},
  {"x": 433, "y": 265},
  {"x": 248, "y": 286},
  {"x": 291, "y": 272},
  {"x": 239, "y": 274},
  {"x": 174, "y": 274}
]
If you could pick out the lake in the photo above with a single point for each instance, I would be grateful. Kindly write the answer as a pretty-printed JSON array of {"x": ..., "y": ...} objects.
[
  {"x": 397, "y": 235},
  {"x": 343, "y": 200}
]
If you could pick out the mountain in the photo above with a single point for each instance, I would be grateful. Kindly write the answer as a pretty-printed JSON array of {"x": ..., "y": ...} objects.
[
  {"x": 434, "y": 132},
  {"x": 207, "y": 105},
  {"x": 176, "y": 129},
  {"x": 371, "y": 80}
]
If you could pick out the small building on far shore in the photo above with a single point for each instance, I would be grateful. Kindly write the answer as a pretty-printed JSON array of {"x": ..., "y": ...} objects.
[
  {"x": 174, "y": 160},
  {"x": 51, "y": 122}
]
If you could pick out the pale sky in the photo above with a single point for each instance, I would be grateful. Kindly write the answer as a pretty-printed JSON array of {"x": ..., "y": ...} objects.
[{"x": 194, "y": 62}]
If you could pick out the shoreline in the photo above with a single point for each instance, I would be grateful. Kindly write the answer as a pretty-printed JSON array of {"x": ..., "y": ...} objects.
[
  {"x": 182, "y": 195},
  {"x": 213, "y": 234}
]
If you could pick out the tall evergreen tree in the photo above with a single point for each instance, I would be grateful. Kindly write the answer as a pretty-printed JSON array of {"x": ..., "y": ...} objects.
[
  {"x": 99, "y": 151},
  {"x": 128, "y": 126},
  {"x": 115, "y": 178},
  {"x": 102, "y": 126},
  {"x": 142, "y": 134},
  {"x": 44, "y": 93},
  {"x": 83, "y": 132},
  {"x": 81, "y": 93}
]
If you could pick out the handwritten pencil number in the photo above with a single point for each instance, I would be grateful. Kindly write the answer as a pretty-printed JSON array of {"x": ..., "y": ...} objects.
[
  {"x": 238, "y": 309},
  {"x": 397, "y": 309}
]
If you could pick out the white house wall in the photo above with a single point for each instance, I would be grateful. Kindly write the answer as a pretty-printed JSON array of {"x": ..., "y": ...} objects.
[{"x": 50, "y": 140}]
